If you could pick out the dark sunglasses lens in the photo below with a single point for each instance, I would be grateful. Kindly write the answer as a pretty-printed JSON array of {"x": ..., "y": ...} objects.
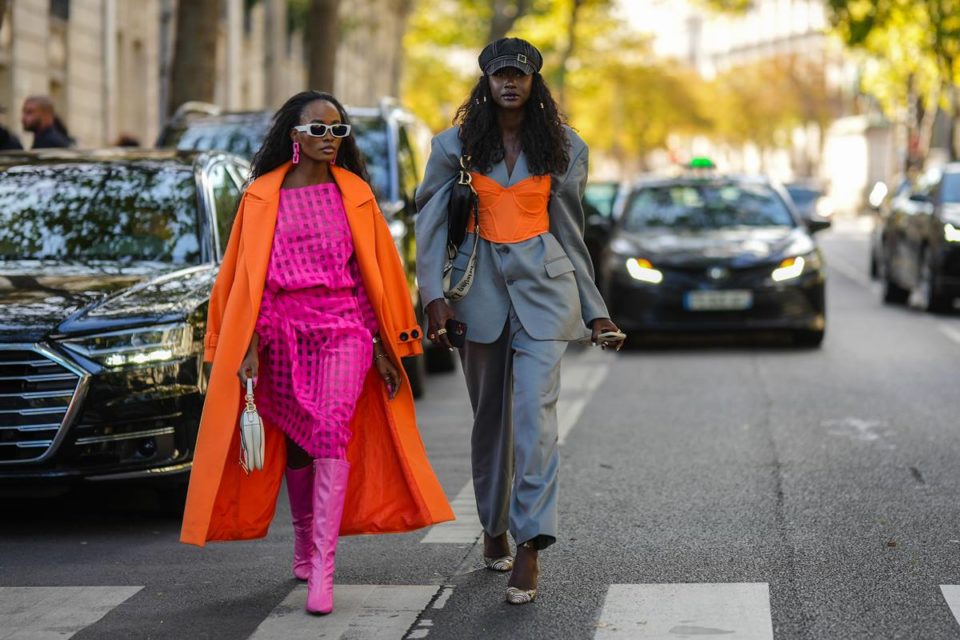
[
  {"x": 340, "y": 130},
  {"x": 318, "y": 130}
]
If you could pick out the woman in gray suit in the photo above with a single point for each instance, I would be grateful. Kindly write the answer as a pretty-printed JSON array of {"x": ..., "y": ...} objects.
[{"x": 532, "y": 291}]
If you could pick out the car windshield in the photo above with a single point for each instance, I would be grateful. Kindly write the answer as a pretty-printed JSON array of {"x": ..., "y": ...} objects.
[
  {"x": 143, "y": 211},
  {"x": 245, "y": 137},
  {"x": 951, "y": 187},
  {"x": 601, "y": 196},
  {"x": 705, "y": 206}
]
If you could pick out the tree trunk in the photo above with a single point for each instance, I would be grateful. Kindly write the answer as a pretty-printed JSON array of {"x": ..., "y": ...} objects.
[
  {"x": 194, "y": 69},
  {"x": 323, "y": 39},
  {"x": 568, "y": 51},
  {"x": 402, "y": 10},
  {"x": 3, "y": 11},
  {"x": 505, "y": 15}
]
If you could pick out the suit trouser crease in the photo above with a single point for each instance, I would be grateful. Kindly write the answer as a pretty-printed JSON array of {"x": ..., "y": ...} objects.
[{"x": 514, "y": 385}]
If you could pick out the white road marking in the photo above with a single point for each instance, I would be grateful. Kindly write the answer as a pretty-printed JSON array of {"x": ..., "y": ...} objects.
[
  {"x": 739, "y": 611},
  {"x": 38, "y": 613},
  {"x": 370, "y": 612},
  {"x": 951, "y": 593},
  {"x": 580, "y": 379},
  {"x": 465, "y": 528},
  {"x": 950, "y": 332}
]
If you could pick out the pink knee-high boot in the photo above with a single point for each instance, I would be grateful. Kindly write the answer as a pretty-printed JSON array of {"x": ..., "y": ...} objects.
[
  {"x": 330, "y": 488},
  {"x": 300, "y": 491}
]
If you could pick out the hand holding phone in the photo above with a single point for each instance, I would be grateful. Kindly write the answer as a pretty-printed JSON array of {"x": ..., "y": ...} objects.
[{"x": 611, "y": 338}]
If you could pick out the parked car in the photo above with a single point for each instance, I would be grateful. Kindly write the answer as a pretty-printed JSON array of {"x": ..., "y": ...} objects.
[
  {"x": 395, "y": 146},
  {"x": 599, "y": 202},
  {"x": 106, "y": 263},
  {"x": 708, "y": 252},
  {"x": 920, "y": 242},
  {"x": 809, "y": 200}
]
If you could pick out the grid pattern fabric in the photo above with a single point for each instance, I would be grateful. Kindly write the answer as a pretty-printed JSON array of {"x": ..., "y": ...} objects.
[{"x": 315, "y": 324}]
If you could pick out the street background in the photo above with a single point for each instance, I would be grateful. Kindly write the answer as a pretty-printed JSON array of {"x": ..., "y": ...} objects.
[{"x": 721, "y": 486}]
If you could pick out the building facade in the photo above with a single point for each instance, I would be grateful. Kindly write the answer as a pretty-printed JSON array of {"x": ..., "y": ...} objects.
[{"x": 106, "y": 63}]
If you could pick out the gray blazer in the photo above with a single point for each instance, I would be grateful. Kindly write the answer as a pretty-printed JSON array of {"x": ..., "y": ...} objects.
[{"x": 548, "y": 279}]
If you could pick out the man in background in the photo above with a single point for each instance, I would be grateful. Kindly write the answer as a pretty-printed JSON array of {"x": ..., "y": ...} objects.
[
  {"x": 38, "y": 117},
  {"x": 8, "y": 141}
]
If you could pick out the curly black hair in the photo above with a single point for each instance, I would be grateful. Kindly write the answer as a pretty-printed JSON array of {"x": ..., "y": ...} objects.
[
  {"x": 543, "y": 140},
  {"x": 277, "y": 148}
]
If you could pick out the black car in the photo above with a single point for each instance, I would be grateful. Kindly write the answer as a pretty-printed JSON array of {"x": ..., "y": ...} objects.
[
  {"x": 395, "y": 146},
  {"x": 713, "y": 253},
  {"x": 919, "y": 242},
  {"x": 106, "y": 264},
  {"x": 599, "y": 202}
]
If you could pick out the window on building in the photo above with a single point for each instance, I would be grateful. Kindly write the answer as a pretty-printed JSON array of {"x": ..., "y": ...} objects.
[{"x": 60, "y": 9}]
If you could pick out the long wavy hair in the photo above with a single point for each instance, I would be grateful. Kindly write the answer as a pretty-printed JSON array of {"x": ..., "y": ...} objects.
[
  {"x": 277, "y": 148},
  {"x": 543, "y": 140}
]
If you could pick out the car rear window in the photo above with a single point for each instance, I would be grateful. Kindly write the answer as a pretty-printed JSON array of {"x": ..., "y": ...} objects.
[
  {"x": 702, "y": 206},
  {"x": 145, "y": 211}
]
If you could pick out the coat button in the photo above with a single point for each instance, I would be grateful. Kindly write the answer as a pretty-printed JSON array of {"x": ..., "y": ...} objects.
[
  {"x": 404, "y": 337},
  {"x": 414, "y": 334}
]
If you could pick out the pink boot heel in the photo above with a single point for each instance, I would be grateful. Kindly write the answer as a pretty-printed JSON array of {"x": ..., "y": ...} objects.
[
  {"x": 330, "y": 488},
  {"x": 300, "y": 492}
]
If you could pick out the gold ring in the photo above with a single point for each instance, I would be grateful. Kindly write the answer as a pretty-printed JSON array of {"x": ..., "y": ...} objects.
[{"x": 440, "y": 332}]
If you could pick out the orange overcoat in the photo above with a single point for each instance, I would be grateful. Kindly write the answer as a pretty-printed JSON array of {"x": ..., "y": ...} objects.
[{"x": 392, "y": 487}]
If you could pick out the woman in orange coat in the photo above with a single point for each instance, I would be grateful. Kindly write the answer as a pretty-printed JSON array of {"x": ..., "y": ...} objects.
[{"x": 312, "y": 302}]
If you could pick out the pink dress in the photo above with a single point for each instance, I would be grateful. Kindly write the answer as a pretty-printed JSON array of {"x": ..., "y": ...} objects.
[{"x": 315, "y": 324}]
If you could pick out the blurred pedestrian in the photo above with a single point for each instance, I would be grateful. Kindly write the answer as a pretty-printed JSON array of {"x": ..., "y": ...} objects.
[
  {"x": 8, "y": 141},
  {"x": 38, "y": 117},
  {"x": 524, "y": 289},
  {"x": 290, "y": 309}
]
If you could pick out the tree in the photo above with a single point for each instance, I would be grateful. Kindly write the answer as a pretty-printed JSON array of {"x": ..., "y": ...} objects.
[
  {"x": 3, "y": 11},
  {"x": 505, "y": 15},
  {"x": 323, "y": 28},
  {"x": 194, "y": 70}
]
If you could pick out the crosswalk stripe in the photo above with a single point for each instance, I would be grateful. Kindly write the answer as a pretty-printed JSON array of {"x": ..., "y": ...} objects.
[
  {"x": 371, "y": 612},
  {"x": 39, "y": 613},
  {"x": 951, "y": 593},
  {"x": 580, "y": 381},
  {"x": 465, "y": 528},
  {"x": 738, "y": 611}
]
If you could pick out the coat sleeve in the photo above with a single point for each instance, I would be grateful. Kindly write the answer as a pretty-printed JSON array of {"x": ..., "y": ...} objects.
[
  {"x": 399, "y": 323},
  {"x": 222, "y": 287},
  {"x": 567, "y": 223},
  {"x": 433, "y": 197}
]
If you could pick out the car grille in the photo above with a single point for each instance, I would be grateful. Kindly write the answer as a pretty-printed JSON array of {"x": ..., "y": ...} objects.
[{"x": 35, "y": 395}]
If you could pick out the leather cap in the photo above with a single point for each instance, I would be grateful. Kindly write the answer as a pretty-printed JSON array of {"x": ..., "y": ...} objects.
[{"x": 510, "y": 52}]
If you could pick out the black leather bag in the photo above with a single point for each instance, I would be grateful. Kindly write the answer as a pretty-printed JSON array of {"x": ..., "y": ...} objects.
[{"x": 463, "y": 204}]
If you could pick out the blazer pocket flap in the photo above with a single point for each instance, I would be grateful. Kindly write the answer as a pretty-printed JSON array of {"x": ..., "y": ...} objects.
[{"x": 559, "y": 266}]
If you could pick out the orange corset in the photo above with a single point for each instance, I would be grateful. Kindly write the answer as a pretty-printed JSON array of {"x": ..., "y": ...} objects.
[{"x": 512, "y": 214}]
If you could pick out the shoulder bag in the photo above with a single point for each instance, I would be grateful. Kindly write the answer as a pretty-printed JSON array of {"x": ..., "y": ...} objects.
[{"x": 464, "y": 203}]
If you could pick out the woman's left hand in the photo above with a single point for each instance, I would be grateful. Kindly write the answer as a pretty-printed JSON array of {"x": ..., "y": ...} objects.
[{"x": 390, "y": 374}]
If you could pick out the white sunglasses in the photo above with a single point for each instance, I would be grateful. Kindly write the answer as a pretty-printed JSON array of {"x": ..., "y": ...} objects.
[{"x": 320, "y": 130}]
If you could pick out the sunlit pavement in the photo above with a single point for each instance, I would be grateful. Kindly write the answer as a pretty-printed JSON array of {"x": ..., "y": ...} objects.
[{"x": 728, "y": 489}]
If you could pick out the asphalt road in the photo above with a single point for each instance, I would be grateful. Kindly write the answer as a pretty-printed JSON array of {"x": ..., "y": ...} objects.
[{"x": 730, "y": 489}]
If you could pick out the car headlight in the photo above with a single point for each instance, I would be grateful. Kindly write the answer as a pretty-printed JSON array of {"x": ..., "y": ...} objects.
[
  {"x": 951, "y": 233},
  {"x": 642, "y": 270},
  {"x": 136, "y": 346},
  {"x": 795, "y": 266}
]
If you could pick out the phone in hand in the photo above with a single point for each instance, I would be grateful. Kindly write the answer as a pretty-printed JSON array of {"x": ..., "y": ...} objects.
[
  {"x": 456, "y": 332},
  {"x": 611, "y": 338}
]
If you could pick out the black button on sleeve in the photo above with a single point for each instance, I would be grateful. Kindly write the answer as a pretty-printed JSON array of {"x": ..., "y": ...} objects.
[{"x": 404, "y": 337}]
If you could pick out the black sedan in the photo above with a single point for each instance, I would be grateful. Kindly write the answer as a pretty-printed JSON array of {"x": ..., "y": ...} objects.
[
  {"x": 106, "y": 264},
  {"x": 919, "y": 243},
  {"x": 714, "y": 253}
]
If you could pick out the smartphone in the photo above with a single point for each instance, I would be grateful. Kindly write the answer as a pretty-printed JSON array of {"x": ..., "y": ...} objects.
[
  {"x": 456, "y": 332},
  {"x": 611, "y": 338}
]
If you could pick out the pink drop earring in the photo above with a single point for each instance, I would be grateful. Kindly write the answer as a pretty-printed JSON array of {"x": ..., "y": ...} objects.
[{"x": 296, "y": 153}]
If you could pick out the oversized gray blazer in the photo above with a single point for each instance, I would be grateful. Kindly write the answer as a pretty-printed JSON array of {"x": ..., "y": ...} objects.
[{"x": 548, "y": 279}]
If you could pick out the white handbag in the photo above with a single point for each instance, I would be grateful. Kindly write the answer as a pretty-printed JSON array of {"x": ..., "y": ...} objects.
[{"x": 251, "y": 434}]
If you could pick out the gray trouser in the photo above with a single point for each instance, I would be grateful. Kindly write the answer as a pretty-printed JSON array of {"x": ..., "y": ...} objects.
[{"x": 514, "y": 384}]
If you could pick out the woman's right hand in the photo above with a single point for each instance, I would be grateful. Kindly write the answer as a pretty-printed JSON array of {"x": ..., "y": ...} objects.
[
  {"x": 438, "y": 312},
  {"x": 250, "y": 366}
]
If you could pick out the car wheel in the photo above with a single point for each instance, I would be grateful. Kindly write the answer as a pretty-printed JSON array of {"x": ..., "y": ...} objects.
[
  {"x": 930, "y": 300},
  {"x": 892, "y": 292},
  {"x": 439, "y": 360},
  {"x": 416, "y": 369},
  {"x": 808, "y": 338},
  {"x": 172, "y": 499}
]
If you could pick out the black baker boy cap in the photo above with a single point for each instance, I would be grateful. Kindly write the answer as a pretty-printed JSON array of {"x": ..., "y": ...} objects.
[{"x": 510, "y": 52}]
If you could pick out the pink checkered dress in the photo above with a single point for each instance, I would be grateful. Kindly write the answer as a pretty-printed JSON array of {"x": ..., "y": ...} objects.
[{"x": 315, "y": 324}]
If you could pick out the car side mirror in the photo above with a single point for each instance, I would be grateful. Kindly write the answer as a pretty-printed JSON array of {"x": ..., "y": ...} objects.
[{"x": 815, "y": 225}]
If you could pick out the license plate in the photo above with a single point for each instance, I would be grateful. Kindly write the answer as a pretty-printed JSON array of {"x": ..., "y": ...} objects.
[{"x": 729, "y": 300}]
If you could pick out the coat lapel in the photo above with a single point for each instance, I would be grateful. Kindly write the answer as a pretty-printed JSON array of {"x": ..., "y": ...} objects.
[{"x": 357, "y": 193}]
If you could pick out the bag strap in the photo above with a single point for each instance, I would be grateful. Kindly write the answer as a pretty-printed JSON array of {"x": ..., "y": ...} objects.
[{"x": 460, "y": 289}]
